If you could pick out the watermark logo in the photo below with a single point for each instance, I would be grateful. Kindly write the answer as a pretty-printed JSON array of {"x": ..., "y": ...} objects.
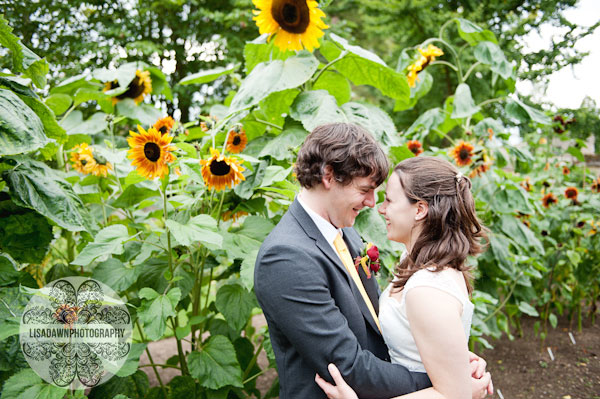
[{"x": 76, "y": 332}]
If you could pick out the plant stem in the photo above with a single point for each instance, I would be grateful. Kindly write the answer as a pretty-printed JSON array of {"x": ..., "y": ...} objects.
[
  {"x": 444, "y": 63},
  {"x": 253, "y": 360},
  {"x": 165, "y": 215},
  {"x": 471, "y": 70},
  {"x": 318, "y": 75},
  {"x": 491, "y": 100},
  {"x": 182, "y": 361},
  {"x": 220, "y": 208},
  {"x": 160, "y": 365},
  {"x": 505, "y": 299},
  {"x": 269, "y": 124},
  {"x": 137, "y": 323}
]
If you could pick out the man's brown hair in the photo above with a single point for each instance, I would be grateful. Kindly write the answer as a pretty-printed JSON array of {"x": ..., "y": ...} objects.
[{"x": 350, "y": 150}]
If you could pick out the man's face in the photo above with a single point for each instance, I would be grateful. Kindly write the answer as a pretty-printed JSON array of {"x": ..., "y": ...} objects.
[{"x": 345, "y": 201}]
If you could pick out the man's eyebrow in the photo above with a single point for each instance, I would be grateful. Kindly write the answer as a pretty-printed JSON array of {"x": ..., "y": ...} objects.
[{"x": 367, "y": 186}]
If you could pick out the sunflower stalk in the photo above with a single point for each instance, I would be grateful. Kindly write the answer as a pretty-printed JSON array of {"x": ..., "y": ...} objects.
[
  {"x": 180, "y": 352},
  {"x": 454, "y": 54},
  {"x": 318, "y": 75},
  {"x": 471, "y": 69},
  {"x": 165, "y": 216}
]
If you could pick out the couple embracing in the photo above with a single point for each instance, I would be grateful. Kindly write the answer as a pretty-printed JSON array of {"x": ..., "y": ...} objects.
[{"x": 333, "y": 332}]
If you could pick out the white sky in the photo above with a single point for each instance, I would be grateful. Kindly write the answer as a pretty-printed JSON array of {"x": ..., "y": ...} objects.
[{"x": 569, "y": 86}]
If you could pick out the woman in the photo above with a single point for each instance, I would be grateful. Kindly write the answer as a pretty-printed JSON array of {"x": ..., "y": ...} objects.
[{"x": 425, "y": 312}]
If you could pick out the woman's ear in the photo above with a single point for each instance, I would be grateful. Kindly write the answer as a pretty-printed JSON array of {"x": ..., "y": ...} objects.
[{"x": 422, "y": 210}]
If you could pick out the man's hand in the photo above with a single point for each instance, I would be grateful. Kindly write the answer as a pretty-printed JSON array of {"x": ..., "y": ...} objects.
[{"x": 478, "y": 365}]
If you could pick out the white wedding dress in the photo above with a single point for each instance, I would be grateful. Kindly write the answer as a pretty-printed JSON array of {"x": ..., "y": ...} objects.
[{"x": 394, "y": 323}]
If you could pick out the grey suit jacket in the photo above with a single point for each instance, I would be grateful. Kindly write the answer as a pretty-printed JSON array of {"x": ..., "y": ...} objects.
[{"x": 316, "y": 314}]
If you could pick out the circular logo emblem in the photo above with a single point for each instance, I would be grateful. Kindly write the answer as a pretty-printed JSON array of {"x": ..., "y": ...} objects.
[{"x": 75, "y": 332}]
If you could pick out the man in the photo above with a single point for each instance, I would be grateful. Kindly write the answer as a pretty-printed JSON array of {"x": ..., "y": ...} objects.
[{"x": 319, "y": 309}]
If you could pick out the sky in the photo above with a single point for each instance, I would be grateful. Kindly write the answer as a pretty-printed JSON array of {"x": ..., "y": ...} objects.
[{"x": 569, "y": 86}]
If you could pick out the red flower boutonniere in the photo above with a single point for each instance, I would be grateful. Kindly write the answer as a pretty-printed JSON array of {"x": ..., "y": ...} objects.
[{"x": 369, "y": 261}]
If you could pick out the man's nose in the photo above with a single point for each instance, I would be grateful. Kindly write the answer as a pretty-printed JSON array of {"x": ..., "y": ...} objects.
[{"x": 370, "y": 199}]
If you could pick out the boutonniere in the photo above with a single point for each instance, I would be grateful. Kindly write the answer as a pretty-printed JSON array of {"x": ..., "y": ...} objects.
[{"x": 369, "y": 261}]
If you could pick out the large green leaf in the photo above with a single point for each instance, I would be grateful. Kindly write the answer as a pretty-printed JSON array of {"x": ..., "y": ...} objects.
[
  {"x": 422, "y": 87},
  {"x": 472, "y": 33},
  {"x": 134, "y": 386},
  {"x": 145, "y": 114},
  {"x": 108, "y": 241},
  {"x": 24, "y": 233},
  {"x": 156, "y": 310},
  {"x": 11, "y": 42},
  {"x": 247, "y": 270},
  {"x": 399, "y": 154},
  {"x": 236, "y": 304},
  {"x": 521, "y": 234},
  {"x": 336, "y": 84},
  {"x": 428, "y": 120},
  {"x": 208, "y": 75},
  {"x": 133, "y": 196},
  {"x": 464, "y": 106},
  {"x": 362, "y": 67},
  {"x": 51, "y": 127},
  {"x": 26, "y": 384},
  {"x": 281, "y": 146},
  {"x": 133, "y": 360},
  {"x": 257, "y": 51},
  {"x": 523, "y": 112},
  {"x": 216, "y": 365},
  {"x": 36, "y": 68},
  {"x": 276, "y": 106},
  {"x": 316, "y": 107},
  {"x": 72, "y": 84},
  {"x": 371, "y": 227},
  {"x": 21, "y": 129},
  {"x": 253, "y": 180},
  {"x": 199, "y": 228},
  {"x": 273, "y": 76},
  {"x": 34, "y": 185},
  {"x": 374, "y": 120},
  {"x": 59, "y": 103},
  {"x": 491, "y": 54},
  {"x": 75, "y": 124},
  {"x": 113, "y": 273}
]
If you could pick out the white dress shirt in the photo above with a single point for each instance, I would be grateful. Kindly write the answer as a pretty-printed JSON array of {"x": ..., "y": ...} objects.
[{"x": 328, "y": 230}]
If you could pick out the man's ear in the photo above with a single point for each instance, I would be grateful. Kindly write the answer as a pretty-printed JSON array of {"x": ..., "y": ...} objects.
[
  {"x": 422, "y": 210},
  {"x": 328, "y": 177}
]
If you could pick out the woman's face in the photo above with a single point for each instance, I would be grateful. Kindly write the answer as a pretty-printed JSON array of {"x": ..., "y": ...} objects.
[{"x": 400, "y": 214}]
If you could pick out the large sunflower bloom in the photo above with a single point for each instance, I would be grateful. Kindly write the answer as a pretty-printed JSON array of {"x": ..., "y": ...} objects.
[
  {"x": 220, "y": 171},
  {"x": 296, "y": 23},
  {"x": 237, "y": 140},
  {"x": 82, "y": 158},
  {"x": 415, "y": 147},
  {"x": 164, "y": 125},
  {"x": 137, "y": 88},
  {"x": 548, "y": 200},
  {"x": 571, "y": 193},
  {"x": 151, "y": 152},
  {"x": 462, "y": 153}
]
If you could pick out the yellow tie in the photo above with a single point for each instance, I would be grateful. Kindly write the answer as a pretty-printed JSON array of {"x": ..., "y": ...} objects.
[{"x": 344, "y": 254}]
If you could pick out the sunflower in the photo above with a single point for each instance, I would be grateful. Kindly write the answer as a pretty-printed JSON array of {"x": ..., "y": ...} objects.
[
  {"x": 482, "y": 168},
  {"x": 428, "y": 55},
  {"x": 220, "y": 171},
  {"x": 548, "y": 200},
  {"x": 237, "y": 140},
  {"x": 82, "y": 158},
  {"x": 164, "y": 125},
  {"x": 230, "y": 215},
  {"x": 526, "y": 184},
  {"x": 566, "y": 170},
  {"x": 296, "y": 23},
  {"x": 415, "y": 147},
  {"x": 596, "y": 186},
  {"x": 543, "y": 141},
  {"x": 137, "y": 88},
  {"x": 462, "y": 153},
  {"x": 209, "y": 124},
  {"x": 571, "y": 193},
  {"x": 100, "y": 166},
  {"x": 150, "y": 152}
]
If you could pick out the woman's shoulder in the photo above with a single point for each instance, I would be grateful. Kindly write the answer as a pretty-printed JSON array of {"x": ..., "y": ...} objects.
[{"x": 447, "y": 278}]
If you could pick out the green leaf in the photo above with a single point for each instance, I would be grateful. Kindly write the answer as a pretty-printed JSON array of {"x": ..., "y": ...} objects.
[
  {"x": 336, "y": 84},
  {"x": 145, "y": 114},
  {"x": 553, "y": 320},
  {"x": 241, "y": 243},
  {"x": 199, "y": 228},
  {"x": 108, "y": 241},
  {"x": 422, "y": 87},
  {"x": 276, "y": 106},
  {"x": 491, "y": 54},
  {"x": 521, "y": 234},
  {"x": 316, "y": 107},
  {"x": 113, "y": 273},
  {"x": 256, "y": 227},
  {"x": 256, "y": 52},
  {"x": 208, "y": 75},
  {"x": 85, "y": 94},
  {"x": 216, "y": 365},
  {"x": 362, "y": 67},
  {"x": 72, "y": 84},
  {"x": 26, "y": 384},
  {"x": 273, "y": 76},
  {"x": 9, "y": 273},
  {"x": 133, "y": 360},
  {"x": 51, "y": 127},
  {"x": 528, "y": 309},
  {"x": 511, "y": 200},
  {"x": 132, "y": 196},
  {"x": 523, "y": 112},
  {"x": 59, "y": 103},
  {"x": 236, "y": 304},
  {"x": 464, "y": 105},
  {"x": 282, "y": 146},
  {"x": 576, "y": 152},
  {"x": 11, "y": 42},
  {"x": 24, "y": 233},
  {"x": 274, "y": 174},
  {"x": 36, "y": 68},
  {"x": 374, "y": 120},
  {"x": 74, "y": 123},
  {"x": 34, "y": 185},
  {"x": 183, "y": 387},
  {"x": 499, "y": 245},
  {"x": 371, "y": 226},
  {"x": 472, "y": 33},
  {"x": 155, "y": 312},
  {"x": 428, "y": 120},
  {"x": 253, "y": 180},
  {"x": 247, "y": 270},
  {"x": 134, "y": 386},
  {"x": 21, "y": 130},
  {"x": 399, "y": 154}
]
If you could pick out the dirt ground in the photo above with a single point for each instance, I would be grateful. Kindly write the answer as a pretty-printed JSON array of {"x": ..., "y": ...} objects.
[{"x": 520, "y": 369}]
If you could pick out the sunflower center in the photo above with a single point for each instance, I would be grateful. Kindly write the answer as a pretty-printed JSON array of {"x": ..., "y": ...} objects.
[
  {"x": 219, "y": 168},
  {"x": 237, "y": 140},
  {"x": 163, "y": 129},
  {"x": 152, "y": 151},
  {"x": 464, "y": 153},
  {"x": 134, "y": 89},
  {"x": 292, "y": 15}
]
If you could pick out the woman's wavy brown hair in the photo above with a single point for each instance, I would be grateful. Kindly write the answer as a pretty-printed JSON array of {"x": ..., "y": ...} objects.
[{"x": 450, "y": 231}]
